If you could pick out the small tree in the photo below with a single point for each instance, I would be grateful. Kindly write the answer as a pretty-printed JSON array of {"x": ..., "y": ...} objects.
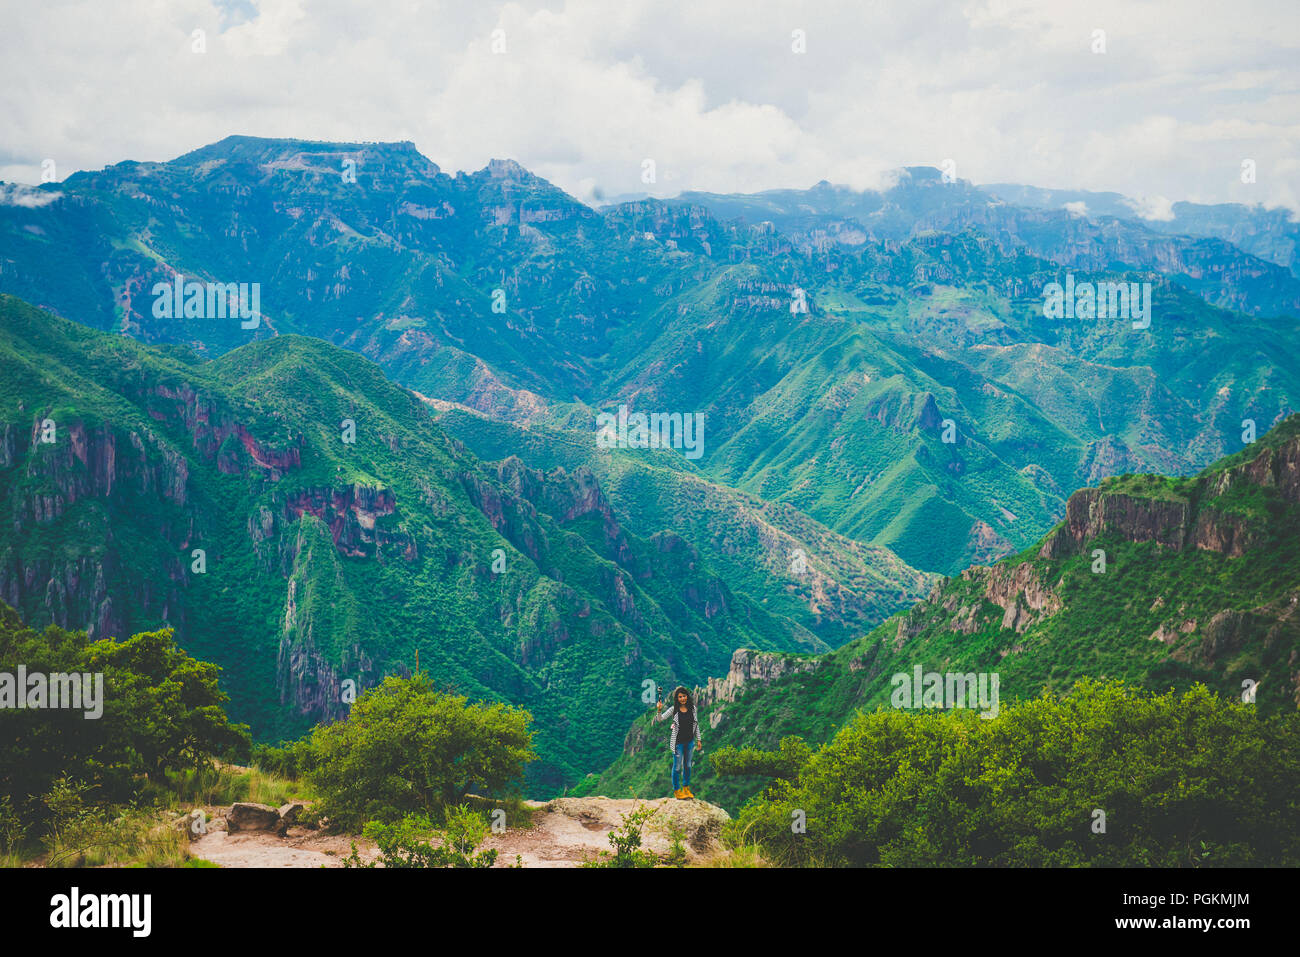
[
  {"x": 161, "y": 710},
  {"x": 406, "y": 748}
]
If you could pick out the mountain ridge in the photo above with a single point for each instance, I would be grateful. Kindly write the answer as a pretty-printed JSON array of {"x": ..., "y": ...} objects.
[{"x": 799, "y": 343}]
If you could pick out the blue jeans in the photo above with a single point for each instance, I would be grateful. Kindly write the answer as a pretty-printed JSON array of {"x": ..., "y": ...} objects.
[{"x": 682, "y": 756}]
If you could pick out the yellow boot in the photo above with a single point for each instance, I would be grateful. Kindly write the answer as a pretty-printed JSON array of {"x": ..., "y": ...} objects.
[
  {"x": 686, "y": 792},
  {"x": 680, "y": 794}
]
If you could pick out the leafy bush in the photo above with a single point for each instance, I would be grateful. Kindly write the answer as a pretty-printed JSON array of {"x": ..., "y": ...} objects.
[
  {"x": 784, "y": 763},
  {"x": 408, "y": 842},
  {"x": 1183, "y": 780},
  {"x": 406, "y": 748},
  {"x": 292, "y": 759}
]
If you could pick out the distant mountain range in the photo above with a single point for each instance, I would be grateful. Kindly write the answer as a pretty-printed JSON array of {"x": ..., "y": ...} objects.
[{"x": 884, "y": 401}]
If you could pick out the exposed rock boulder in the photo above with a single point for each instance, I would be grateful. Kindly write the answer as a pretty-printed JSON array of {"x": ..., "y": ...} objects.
[
  {"x": 289, "y": 816},
  {"x": 246, "y": 816}
]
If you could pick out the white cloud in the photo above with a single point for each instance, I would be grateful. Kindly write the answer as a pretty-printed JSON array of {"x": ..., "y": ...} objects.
[
  {"x": 1156, "y": 208},
  {"x": 14, "y": 194},
  {"x": 587, "y": 90}
]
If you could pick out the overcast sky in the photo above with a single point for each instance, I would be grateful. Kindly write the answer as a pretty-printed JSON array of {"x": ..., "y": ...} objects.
[{"x": 714, "y": 92}]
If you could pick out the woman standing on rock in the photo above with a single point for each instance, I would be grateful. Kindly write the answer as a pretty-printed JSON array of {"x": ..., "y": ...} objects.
[{"x": 684, "y": 739}]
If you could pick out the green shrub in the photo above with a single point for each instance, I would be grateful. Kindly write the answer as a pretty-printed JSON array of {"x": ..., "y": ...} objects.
[
  {"x": 1183, "y": 780},
  {"x": 292, "y": 759},
  {"x": 676, "y": 856},
  {"x": 409, "y": 841},
  {"x": 626, "y": 841},
  {"x": 784, "y": 763},
  {"x": 406, "y": 748}
]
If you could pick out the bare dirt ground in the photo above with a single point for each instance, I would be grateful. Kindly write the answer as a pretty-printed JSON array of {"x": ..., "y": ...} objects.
[
  {"x": 564, "y": 833},
  {"x": 568, "y": 831},
  {"x": 299, "y": 847}
]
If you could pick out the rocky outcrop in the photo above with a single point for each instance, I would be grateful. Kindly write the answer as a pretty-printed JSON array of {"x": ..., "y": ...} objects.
[
  {"x": 748, "y": 667},
  {"x": 218, "y": 436},
  {"x": 1092, "y": 512},
  {"x": 1185, "y": 521},
  {"x": 352, "y": 514},
  {"x": 1018, "y": 590},
  {"x": 898, "y": 410},
  {"x": 94, "y": 461},
  {"x": 1274, "y": 467}
]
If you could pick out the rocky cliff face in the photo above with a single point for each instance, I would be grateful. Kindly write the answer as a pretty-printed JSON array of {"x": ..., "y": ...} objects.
[
  {"x": 93, "y": 470},
  {"x": 1180, "y": 522},
  {"x": 86, "y": 472},
  {"x": 308, "y": 683},
  {"x": 352, "y": 514},
  {"x": 749, "y": 668},
  {"x": 218, "y": 436}
]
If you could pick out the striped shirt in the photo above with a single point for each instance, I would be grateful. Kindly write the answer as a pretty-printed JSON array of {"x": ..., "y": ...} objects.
[{"x": 673, "y": 710}]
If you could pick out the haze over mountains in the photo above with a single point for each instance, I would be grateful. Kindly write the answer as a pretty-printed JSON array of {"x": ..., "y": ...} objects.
[{"x": 884, "y": 401}]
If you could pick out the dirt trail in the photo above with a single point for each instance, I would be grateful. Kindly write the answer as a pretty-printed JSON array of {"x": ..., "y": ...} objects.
[
  {"x": 299, "y": 847},
  {"x": 564, "y": 833}
]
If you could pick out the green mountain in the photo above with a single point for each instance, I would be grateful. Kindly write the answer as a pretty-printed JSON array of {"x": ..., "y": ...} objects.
[
  {"x": 1200, "y": 583},
  {"x": 497, "y": 293},
  {"x": 303, "y": 522}
]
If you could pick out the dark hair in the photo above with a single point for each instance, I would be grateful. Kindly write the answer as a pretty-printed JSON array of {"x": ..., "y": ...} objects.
[{"x": 690, "y": 703}]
